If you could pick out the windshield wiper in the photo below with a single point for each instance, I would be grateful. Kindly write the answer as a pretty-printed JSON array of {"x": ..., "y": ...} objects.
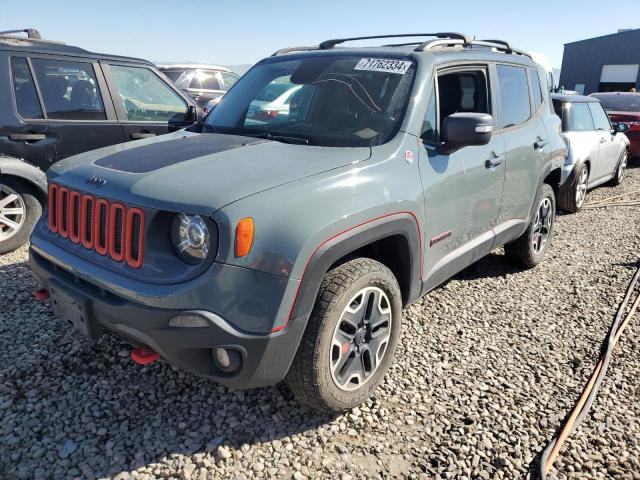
[{"x": 279, "y": 138}]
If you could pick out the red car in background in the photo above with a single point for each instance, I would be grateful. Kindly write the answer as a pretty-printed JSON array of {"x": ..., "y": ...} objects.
[{"x": 624, "y": 107}]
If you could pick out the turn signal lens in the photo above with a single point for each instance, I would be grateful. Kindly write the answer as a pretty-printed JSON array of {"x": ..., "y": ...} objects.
[{"x": 244, "y": 237}]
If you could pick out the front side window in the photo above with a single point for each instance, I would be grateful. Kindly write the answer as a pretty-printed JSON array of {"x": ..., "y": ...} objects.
[
  {"x": 69, "y": 89},
  {"x": 24, "y": 89},
  {"x": 577, "y": 117},
  {"x": 600, "y": 117},
  {"x": 514, "y": 95},
  {"x": 340, "y": 100},
  {"x": 462, "y": 92},
  {"x": 145, "y": 97}
]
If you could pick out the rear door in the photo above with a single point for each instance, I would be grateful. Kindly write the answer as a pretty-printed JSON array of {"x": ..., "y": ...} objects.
[
  {"x": 145, "y": 103},
  {"x": 462, "y": 190},
  {"x": 610, "y": 150},
  {"x": 70, "y": 112},
  {"x": 521, "y": 124}
]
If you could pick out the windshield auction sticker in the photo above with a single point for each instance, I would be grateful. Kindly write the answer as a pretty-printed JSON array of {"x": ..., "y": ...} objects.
[{"x": 383, "y": 65}]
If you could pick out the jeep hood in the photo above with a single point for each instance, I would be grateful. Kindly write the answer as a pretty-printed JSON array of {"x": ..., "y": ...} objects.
[{"x": 196, "y": 172}]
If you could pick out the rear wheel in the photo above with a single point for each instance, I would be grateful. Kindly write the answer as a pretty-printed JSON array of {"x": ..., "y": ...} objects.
[
  {"x": 350, "y": 339},
  {"x": 530, "y": 248},
  {"x": 620, "y": 170},
  {"x": 19, "y": 212},
  {"x": 573, "y": 199}
]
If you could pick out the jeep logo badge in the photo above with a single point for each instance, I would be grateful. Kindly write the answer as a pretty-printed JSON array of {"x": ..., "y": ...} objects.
[{"x": 96, "y": 181}]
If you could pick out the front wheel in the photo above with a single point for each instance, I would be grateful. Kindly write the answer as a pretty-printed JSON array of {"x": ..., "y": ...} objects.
[
  {"x": 350, "y": 339},
  {"x": 19, "y": 212},
  {"x": 529, "y": 249},
  {"x": 620, "y": 170}
]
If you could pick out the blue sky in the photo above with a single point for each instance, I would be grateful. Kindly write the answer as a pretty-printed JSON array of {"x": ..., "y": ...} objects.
[{"x": 245, "y": 31}]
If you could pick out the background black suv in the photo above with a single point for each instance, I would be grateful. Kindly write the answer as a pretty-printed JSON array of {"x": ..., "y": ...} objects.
[{"x": 62, "y": 100}]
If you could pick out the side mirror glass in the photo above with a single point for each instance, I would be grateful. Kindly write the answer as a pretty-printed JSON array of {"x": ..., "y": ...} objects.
[
  {"x": 621, "y": 127},
  {"x": 466, "y": 129}
]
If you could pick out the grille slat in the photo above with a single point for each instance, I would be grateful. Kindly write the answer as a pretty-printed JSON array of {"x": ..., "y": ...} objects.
[{"x": 108, "y": 228}]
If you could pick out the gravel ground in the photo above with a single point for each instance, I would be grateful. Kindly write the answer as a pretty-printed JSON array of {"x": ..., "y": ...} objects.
[{"x": 488, "y": 366}]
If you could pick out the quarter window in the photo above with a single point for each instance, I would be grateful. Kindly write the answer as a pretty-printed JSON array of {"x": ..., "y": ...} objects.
[
  {"x": 429, "y": 131},
  {"x": 514, "y": 95},
  {"x": 537, "y": 89},
  {"x": 24, "y": 89},
  {"x": 69, "y": 90},
  {"x": 228, "y": 79},
  {"x": 600, "y": 118},
  {"x": 145, "y": 97},
  {"x": 578, "y": 117}
]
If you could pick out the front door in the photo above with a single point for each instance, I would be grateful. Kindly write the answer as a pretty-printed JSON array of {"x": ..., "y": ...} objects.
[
  {"x": 146, "y": 105},
  {"x": 462, "y": 190},
  {"x": 609, "y": 149}
]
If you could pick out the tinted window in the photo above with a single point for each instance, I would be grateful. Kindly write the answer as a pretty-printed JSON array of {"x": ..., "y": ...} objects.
[
  {"x": 578, "y": 117},
  {"x": 600, "y": 118},
  {"x": 340, "y": 100},
  {"x": 146, "y": 97},
  {"x": 514, "y": 95},
  {"x": 537, "y": 89},
  {"x": 69, "y": 90},
  {"x": 462, "y": 92},
  {"x": 24, "y": 89},
  {"x": 621, "y": 103},
  {"x": 429, "y": 131},
  {"x": 173, "y": 74},
  {"x": 228, "y": 79}
]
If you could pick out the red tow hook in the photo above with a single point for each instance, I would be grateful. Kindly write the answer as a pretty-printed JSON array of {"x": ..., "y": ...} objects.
[
  {"x": 42, "y": 295},
  {"x": 144, "y": 355}
]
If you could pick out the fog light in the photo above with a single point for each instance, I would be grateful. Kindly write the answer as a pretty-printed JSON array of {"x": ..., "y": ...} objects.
[
  {"x": 188, "y": 321},
  {"x": 227, "y": 360}
]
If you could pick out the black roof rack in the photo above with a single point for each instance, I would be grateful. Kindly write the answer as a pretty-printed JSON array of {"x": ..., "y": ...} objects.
[
  {"x": 504, "y": 43},
  {"x": 282, "y": 51},
  {"x": 31, "y": 33},
  {"x": 453, "y": 35}
]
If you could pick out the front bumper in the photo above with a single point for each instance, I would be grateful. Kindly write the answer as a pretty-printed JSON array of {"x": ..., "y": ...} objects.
[{"x": 265, "y": 357}]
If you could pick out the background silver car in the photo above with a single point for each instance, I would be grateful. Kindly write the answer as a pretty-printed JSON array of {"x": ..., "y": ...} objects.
[{"x": 597, "y": 148}]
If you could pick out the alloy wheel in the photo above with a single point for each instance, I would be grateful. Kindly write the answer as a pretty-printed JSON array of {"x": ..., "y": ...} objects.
[
  {"x": 12, "y": 212},
  {"x": 542, "y": 225},
  {"x": 360, "y": 338},
  {"x": 581, "y": 187}
]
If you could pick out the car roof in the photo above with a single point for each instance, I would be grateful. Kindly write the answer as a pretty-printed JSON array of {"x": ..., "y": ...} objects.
[
  {"x": 32, "y": 45},
  {"x": 203, "y": 66},
  {"x": 571, "y": 98},
  {"x": 611, "y": 94}
]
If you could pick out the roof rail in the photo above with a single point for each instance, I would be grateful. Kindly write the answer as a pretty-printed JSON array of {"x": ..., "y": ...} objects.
[
  {"x": 504, "y": 43},
  {"x": 282, "y": 51},
  {"x": 327, "y": 44},
  {"x": 31, "y": 33},
  {"x": 502, "y": 46},
  {"x": 499, "y": 45}
]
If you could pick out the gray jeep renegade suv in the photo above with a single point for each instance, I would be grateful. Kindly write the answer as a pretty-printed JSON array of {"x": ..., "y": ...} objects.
[{"x": 252, "y": 248}]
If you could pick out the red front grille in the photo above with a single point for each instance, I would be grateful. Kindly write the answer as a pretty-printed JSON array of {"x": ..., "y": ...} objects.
[{"x": 108, "y": 228}]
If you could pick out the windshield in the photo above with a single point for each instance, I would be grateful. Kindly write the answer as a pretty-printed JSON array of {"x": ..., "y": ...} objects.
[
  {"x": 620, "y": 103},
  {"x": 343, "y": 101}
]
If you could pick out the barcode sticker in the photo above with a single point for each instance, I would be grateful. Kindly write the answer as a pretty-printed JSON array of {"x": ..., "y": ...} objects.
[{"x": 383, "y": 65}]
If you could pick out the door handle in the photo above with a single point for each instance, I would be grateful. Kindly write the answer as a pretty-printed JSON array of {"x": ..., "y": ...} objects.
[
  {"x": 138, "y": 136},
  {"x": 494, "y": 161},
  {"x": 540, "y": 143},
  {"x": 27, "y": 137}
]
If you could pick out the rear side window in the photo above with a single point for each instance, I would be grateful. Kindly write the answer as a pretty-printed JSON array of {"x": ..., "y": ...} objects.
[
  {"x": 145, "y": 97},
  {"x": 600, "y": 117},
  {"x": 24, "y": 89},
  {"x": 537, "y": 89},
  {"x": 578, "y": 117},
  {"x": 514, "y": 95},
  {"x": 228, "y": 79},
  {"x": 69, "y": 89}
]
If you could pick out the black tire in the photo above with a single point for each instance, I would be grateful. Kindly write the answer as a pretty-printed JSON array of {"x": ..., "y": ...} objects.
[
  {"x": 32, "y": 208},
  {"x": 621, "y": 168},
  {"x": 568, "y": 200},
  {"x": 522, "y": 250},
  {"x": 310, "y": 377}
]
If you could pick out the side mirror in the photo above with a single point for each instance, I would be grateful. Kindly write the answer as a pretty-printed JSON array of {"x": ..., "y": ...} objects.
[
  {"x": 193, "y": 114},
  {"x": 621, "y": 127},
  {"x": 465, "y": 129}
]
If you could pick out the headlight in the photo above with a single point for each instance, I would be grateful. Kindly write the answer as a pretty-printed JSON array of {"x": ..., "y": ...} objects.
[{"x": 190, "y": 237}]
